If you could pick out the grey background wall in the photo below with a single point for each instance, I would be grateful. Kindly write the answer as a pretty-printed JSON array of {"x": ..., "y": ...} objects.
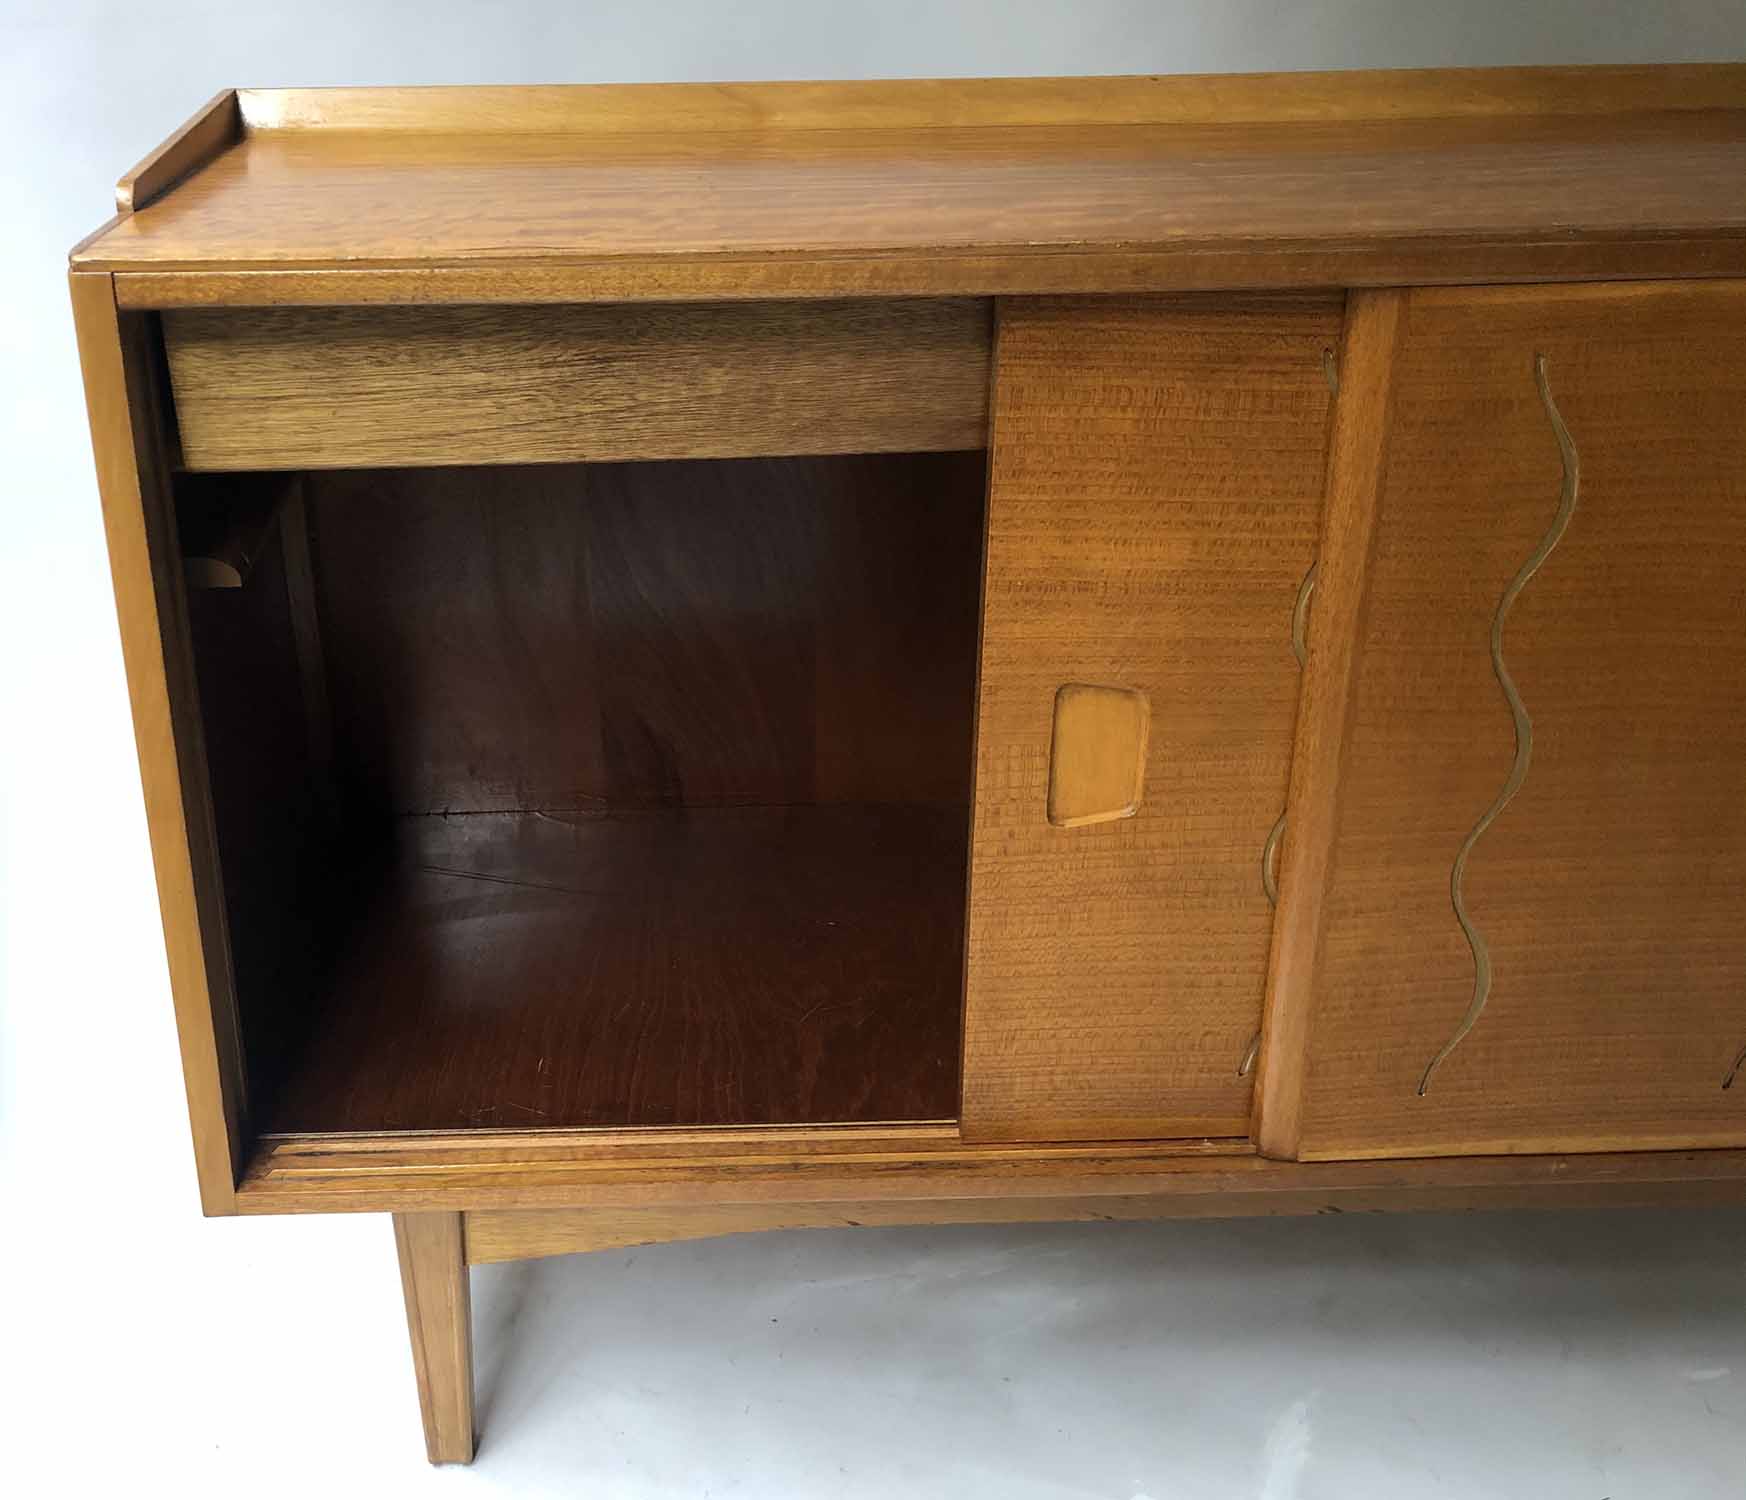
[{"x": 1555, "y": 1356}]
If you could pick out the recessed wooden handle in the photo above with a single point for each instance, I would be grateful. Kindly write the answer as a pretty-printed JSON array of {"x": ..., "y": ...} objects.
[{"x": 1097, "y": 756}]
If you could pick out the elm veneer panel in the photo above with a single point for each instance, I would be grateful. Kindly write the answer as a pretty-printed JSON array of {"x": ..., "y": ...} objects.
[
  {"x": 1154, "y": 498},
  {"x": 1610, "y": 893}
]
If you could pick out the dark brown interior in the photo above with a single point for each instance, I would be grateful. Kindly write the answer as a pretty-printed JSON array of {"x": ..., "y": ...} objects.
[{"x": 604, "y": 795}]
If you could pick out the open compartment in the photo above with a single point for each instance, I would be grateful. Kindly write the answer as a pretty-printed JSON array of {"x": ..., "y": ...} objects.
[{"x": 570, "y": 795}]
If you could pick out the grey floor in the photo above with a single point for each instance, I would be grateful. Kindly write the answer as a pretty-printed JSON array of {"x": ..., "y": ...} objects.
[
  {"x": 1555, "y": 1356},
  {"x": 1547, "y": 1355}
]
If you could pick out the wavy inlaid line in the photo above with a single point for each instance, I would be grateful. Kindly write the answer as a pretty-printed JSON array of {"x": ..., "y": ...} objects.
[
  {"x": 1300, "y": 615},
  {"x": 1734, "y": 1071},
  {"x": 1518, "y": 712},
  {"x": 1276, "y": 834},
  {"x": 1300, "y": 649},
  {"x": 1270, "y": 860},
  {"x": 1250, "y": 1053}
]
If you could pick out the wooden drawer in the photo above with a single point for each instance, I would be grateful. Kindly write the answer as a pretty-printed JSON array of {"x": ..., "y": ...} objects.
[{"x": 316, "y": 388}]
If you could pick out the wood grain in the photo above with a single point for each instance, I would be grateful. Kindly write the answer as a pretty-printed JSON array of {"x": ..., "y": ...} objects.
[
  {"x": 909, "y": 1164},
  {"x": 509, "y": 1234},
  {"x": 215, "y": 127},
  {"x": 1609, "y": 891},
  {"x": 700, "y": 967},
  {"x": 439, "y": 1317},
  {"x": 1183, "y": 99},
  {"x": 1183, "y": 266},
  {"x": 561, "y": 638},
  {"x": 337, "y": 388},
  {"x": 1490, "y": 194},
  {"x": 1357, "y": 454},
  {"x": 133, "y": 482},
  {"x": 457, "y": 639},
  {"x": 1155, "y": 490}
]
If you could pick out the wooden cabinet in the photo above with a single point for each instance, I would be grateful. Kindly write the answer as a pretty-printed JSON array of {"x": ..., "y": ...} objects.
[
  {"x": 1531, "y": 931},
  {"x": 725, "y": 658}
]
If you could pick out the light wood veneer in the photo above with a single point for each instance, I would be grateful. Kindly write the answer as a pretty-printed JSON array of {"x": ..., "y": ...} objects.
[{"x": 597, "y": 568}]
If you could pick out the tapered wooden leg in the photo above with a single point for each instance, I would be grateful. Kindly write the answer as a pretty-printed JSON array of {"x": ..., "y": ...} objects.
[{"x": 439, "y": 1315}]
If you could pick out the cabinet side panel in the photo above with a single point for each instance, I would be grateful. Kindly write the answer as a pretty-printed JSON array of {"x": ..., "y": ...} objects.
[
  {"x": 1155, "y": 493},
  {"x": 127, "y": 433},
  {"x": 1533, "y": 933}
]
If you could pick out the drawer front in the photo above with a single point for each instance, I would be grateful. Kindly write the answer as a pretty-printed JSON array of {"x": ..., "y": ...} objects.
[
  {"x": 324, "y": 388},
  {"x": 1533, "y": 932},
  {"x": 1156, "y": 481}
]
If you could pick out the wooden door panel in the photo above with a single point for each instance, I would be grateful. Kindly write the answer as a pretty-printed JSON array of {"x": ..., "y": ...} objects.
[
  {"x": 1533, "y": 932},
  {"x": 1155, "y": 491}
]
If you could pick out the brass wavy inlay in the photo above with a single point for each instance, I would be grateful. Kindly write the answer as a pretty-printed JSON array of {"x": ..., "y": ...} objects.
[
  {"x": 1250, "y": 1053},
  {"x": 1270, "y": 860},
  {"x": 1300, "y": 615},
  {"x": 1734, "y": 1071},
  {"x": 1299, "y": 649},
  {"x": 1524, "y": 726}
]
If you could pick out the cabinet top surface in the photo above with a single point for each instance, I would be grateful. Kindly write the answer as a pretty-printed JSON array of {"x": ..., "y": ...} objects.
[{"x": 1328, "y": 164}]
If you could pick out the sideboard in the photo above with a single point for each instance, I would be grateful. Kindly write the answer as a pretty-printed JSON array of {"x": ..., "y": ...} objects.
[{"x": 730, "y": 657}]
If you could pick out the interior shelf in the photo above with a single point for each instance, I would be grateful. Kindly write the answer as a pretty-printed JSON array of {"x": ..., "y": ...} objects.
[
  {"x": 596, "y": 795},
  {"x": 715, "y": 966}
]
